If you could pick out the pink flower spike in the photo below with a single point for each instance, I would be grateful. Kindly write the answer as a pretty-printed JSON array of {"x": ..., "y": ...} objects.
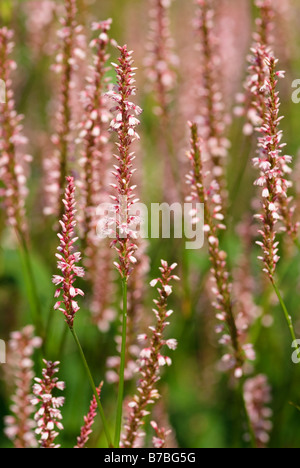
[
  {"x": 86, "y": 429},
  {"x": 67, "y": 259},
  {"x": 48, "y": 416},
  {"x": 151, "y": 361}
]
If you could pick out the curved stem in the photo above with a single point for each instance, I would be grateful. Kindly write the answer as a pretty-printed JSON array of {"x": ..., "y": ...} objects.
[
  {"x": 285, "y": 311},
  {"x": 92, "y": 383},
  {"x": 122, "y": 367}
]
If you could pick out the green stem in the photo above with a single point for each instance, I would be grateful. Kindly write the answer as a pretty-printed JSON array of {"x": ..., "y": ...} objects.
[
  {"x": 285, "y": 311},
  {"x": 32, "y": 288},
  {"x": 122, "y": 367},
  {"x": 63, "y": 342},
  {"x": 92, "y": 383}
]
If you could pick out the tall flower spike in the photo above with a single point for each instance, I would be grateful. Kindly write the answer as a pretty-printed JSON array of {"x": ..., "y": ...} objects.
[
  {"x": 222, "y": 288},
  {"x": 211, "y": 116},
  {"x": 93, "y": 131},
  {"x": 13, "y": 162},
  {"x": 161, "y": 65},
  {"x": 161, "y": 61},
  {"x": 151, "y": 359},
  {"x": 48, "y": 416},
  {"x": 264, "y": 23},
  {"x": 273, "y": 166},
  {"x": 125, "y": 124},
  {"x": 57, "y": 167},
  {"x": 257, "y": 395},
  {"x": 67, "y": 259},
  {"x": 19, "y": 427},
  {"x": 95, "y": 161},
  {"x": 89, "y": 420},
  {"x": 252, "y": 102}
]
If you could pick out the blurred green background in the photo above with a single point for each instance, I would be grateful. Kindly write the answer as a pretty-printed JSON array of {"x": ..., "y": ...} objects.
[{"x": 202, "y": 404}]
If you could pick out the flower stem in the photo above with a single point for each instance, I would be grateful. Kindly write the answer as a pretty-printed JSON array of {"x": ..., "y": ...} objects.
[
  {"x": 285, "y": 311},
  {"x": 92, "y": 383},
  {"x": 122, "y": 367},
  {"x": 32, "y": 287}
]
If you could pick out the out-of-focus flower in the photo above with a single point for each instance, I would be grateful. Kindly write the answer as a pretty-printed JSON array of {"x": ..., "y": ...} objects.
[
  {"x": 68, "y": 259},
  {"x": 161, "y": 61},
  {"x": 151, "y": 360},
  {"x": 211, "y": 114},
  {"x": 222, "y": 288},
  {"x": 57, "y": 165},
  {"x": 252, "y": 103},
  {"x": 93, "y": 132},
  {"x": 13, "y": 161},
  {"x": 19, "y": 427},
  {"x": 48, "y": 416},
  {"x": 257, "y": 395}
]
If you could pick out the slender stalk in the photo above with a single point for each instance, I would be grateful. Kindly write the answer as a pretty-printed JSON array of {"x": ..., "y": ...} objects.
[
  {"x": 285, "y": 311},
  {"x": 63, "y": 342},
  {"x": 32, "y": 287},
  {"x": 93, "y": 386},
  {"x": 122, "y": 367}
]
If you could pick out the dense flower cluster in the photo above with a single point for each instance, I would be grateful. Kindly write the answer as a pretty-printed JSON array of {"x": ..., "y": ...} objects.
[
  {"x": 67, "y": 259},
  {"x": 89, "y": 420},
  {"x": 273, "y": 166},
  {"x": 48, "y": 416},
  {"x": 257, "y": 395},
  {"x": 125, "y": 123},
  {"x": 19, "y": 427},
  {"x": 151, "y": 359},
  {"x": 13, "y": 161}
]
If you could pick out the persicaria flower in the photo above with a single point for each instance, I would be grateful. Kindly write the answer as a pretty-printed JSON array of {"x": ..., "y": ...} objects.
[
  {"x": 222, "y": 288},
  {"x": 19, "y": 427},
  {"x": 48, "y": 416},
  {"x": 68, "y": 259},
  {"x": 159, "y": 440},
  {"x": 13, "y": 161},
  {"x": 211, "y": 117},
  {"x": 93, "y": 132},
  {"x": 273, "y": 166},
  {"x": 70, "y": 51},
  {"x": 161, "y": 61},
  {"x": 151, "y": 360},
  {"x": 124, "y": 124},
  {"x": 257, "y": 395},
  {"x": 86, "y": 429}
]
